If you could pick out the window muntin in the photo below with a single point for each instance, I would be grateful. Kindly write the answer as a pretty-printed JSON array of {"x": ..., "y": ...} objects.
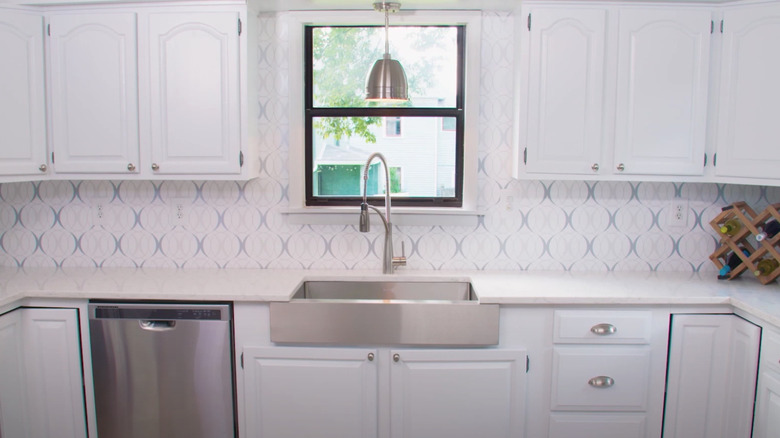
[{"x": 343, "y": 130}]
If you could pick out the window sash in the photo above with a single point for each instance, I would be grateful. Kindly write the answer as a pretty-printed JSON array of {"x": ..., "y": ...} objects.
[{"x": 312, "y": 112}]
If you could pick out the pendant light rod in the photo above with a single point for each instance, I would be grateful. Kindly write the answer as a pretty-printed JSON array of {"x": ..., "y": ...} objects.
[{"x": 387, "y": 80}]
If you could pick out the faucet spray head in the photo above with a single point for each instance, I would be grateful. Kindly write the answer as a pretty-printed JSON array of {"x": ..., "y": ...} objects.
[{"x": 365, "y": 225}]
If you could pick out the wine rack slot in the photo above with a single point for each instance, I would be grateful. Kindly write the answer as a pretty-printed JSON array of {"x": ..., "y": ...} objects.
[{"x": 738, "y": 225}]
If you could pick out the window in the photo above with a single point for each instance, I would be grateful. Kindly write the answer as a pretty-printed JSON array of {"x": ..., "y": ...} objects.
[
  {"x": 392, "y": 126},
  {"x": 342, "y": 130}
]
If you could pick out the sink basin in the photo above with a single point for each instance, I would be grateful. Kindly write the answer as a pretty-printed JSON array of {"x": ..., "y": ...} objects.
[
  {"x": 386, "y": 290},
  {"x": 445, "y": 313}
]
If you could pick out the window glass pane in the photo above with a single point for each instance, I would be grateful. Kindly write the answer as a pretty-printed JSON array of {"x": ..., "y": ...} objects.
[
  {"x": 422, "y": 161},
  {"x": 343, "y": 56}
]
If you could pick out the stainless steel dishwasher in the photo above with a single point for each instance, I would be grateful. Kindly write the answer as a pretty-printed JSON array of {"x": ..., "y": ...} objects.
[{"x": 162, "y": 370}]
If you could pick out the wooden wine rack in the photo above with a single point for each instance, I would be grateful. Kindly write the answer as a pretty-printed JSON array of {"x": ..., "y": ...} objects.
[{"x": 745, "y": 238}]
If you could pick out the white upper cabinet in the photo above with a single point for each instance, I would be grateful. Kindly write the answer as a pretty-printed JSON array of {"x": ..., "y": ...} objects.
[
  {"x": 195, "y": 93},
  {"x": 22, "y": 107},
  {"x": 607, "y": 91},
  {"x": 94, "y": 95},
  {"x": 148, "y": 92},
  {"x": 748, "y": 128},
  {"x": 662, "y": 86},
  {"x": 564, "y": 57}
]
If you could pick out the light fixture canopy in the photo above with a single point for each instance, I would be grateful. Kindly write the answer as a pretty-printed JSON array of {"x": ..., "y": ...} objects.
[{"x": 387, "y": 80}]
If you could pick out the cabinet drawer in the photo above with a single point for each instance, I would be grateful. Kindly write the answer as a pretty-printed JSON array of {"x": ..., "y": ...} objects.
[
  {"x": 602, "y": 327},
  {"x": 597, "y": 425},
  {"x": 600, "y": 378},
  {"x": 770, "y": 349}
]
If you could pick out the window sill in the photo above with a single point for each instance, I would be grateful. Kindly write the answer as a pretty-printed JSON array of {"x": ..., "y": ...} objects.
[{"x": 401, "y": 216}]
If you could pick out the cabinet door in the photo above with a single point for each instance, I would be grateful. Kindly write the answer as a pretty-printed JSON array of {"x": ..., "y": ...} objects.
[
  {"x": 457, "y": 393},
  {"x": 767, "y": 422},
  {"x": 195, "y": 92},
  {"x": 14, "y": 420},
  {"x": 310, "y": 392},
  {"x": 94, "y": 98},
  {"x": 53, "y": 364},
  {"x": 565, "y": 63},
  {"x": 663, "y": 71},
  {"x": 22, "y": 107},
  {"x": 713, "y": 361},
  {"x": 41, "y": 385},
  {"x": 748, "y": 126}
]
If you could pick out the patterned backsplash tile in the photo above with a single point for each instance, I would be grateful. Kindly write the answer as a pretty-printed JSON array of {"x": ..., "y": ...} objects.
[{"x": 528, "y": 225}]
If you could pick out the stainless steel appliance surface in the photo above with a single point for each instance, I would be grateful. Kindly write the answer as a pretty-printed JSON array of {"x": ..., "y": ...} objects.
[{"x": 162, "y": 370}]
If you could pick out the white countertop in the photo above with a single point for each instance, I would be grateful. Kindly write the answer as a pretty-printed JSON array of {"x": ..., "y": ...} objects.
[{"x": 509, "y": 288}]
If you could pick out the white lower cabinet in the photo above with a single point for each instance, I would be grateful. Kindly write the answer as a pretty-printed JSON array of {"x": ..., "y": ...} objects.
[
  {"x": 457, "y": 393},
  {"x": 310, "y": 392},
  {"x": 345, "y": 392},
  {"x": 608, "y": 370},
  {"x": 41, "y": 382},
  {"x": 767, "y": 418},
  {"x": 713, "y": 361}
]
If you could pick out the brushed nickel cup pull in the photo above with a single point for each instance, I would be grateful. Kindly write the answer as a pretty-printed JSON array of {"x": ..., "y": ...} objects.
[
  {"x": 396, "y": 357},
  {"x": 595, "y": 167},
  {"x": 131, "y": 167},
  {"x": 155, "y": 166},
  {"x": 603, "y": 329},
  {"x": 370, "y": 357},
  {"x": 601, "y": 382},
  {"x": 43, "y": 168},
  {"x": 621, "y": 167}
]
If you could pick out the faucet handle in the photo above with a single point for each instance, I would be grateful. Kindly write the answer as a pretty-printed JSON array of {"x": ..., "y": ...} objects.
[{"x": 400, "y": 261}]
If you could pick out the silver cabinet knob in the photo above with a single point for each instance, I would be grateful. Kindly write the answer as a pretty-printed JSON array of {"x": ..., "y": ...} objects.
[
  {"x": 603, "y": 329},
  {"x": 621, "y": 167},
  {"x": 595, "y": 167},
  {"x": 370, "y": 357},
  {"x": 601, "y": 382},
  {"x": 131, "y": 167},
  {"x": 155, "y": 166},
  {"x": 43, "y": 168},
  {"x": 396, "y": 357}
]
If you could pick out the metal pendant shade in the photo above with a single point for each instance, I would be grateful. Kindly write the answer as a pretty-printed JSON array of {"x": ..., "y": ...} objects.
[{"x": 387, "y": 80}]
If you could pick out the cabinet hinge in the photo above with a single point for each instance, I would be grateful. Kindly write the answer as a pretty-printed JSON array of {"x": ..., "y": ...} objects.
[
  {"x": 529, "y": 21},
  {"x": 527, "y": 364},
  {"x": 715, "y": 160},
  {"x": 242, "y": 361},
  {"x": 239, "y": 26},
  {"x": 525, "y": 156},
  {"x": 241, "y": 159},
  {"x": 705, "y": 160},
  {"x": 52, "y": 158},
  {"x": 712, "y": 26},
  {"x": 48, "y": 29},
  {"x": 721, "y": 26}
]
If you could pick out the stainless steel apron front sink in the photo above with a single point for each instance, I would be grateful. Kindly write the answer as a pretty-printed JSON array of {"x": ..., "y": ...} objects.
[{"x": 385, "y": 313}]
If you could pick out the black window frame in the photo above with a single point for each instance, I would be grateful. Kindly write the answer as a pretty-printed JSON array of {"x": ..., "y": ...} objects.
[{"x": 311, "y": 112}]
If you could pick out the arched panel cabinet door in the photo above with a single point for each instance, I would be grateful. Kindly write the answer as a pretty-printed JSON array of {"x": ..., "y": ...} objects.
[
  {"x": 662, "y": 86},
  {"x": 22, "y": 108},
  {"x": 748, "y": 128},
  {"x": 94, "y": 97},
  {"x": 195, "y": 92},
  {"x": 563, "y": 58}
]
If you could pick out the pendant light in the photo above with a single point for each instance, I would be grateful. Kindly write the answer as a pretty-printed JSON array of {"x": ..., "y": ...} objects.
[{"x": 387, "y": 80}]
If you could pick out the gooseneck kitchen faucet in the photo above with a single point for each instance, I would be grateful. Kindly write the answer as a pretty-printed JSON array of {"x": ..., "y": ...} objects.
[{"x": 388, "y": 261}]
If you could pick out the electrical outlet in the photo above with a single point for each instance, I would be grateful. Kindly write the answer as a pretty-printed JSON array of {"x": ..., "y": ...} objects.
[
  {"x": 678, "y": 213},
  {"x": 179, "y": 212},
  {"x": 98, "y": 214}
]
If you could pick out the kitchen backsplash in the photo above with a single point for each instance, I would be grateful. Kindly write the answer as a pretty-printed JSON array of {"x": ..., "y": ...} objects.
[{"x": 527, "y": 225}]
